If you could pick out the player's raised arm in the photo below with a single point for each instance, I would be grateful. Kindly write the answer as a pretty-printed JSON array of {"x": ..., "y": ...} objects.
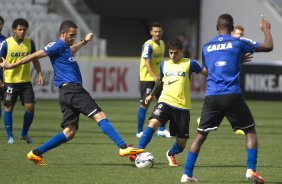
[
  {"x": 267, "y": 46},
  {"x": 37, "y": 55},
  {"x": 77, "y": 46}
]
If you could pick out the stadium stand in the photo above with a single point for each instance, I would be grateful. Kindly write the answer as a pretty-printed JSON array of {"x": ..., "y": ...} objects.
[{"x": 44, "y": 20}]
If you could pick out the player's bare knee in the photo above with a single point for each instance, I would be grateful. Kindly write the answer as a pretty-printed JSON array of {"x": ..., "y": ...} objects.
[
  {"x": 70, "y": 131},
  {"x": 8, "y": 108},
  {"x": 181, "y": 142},
  {"x": 154, "y": 124},
  {"x": 99, "y": 116},
  {"x": 29, "y": 107}
]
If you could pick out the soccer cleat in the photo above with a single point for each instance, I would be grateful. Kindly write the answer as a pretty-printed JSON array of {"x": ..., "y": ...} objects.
[
  {"x": 139, "y": 135},
  {"x": 164, "y": 133},
  {"x": 186, "y": 179},
  {"x": 132, "y": 158},
  {"x": 171, "y": 160},
  {"x": 11, "y": 140},
  {"x": 27, "y": 138},
  {"x": 38, "y": 160},
  {"x": 254, "y": 176},
  {"x": 239, "y": 132},
  {"x": 130, "y": 151}
]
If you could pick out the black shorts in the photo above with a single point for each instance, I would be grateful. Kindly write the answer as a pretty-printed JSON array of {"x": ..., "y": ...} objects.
[
  {"x": 232, "y": 106},
  {"x": 146, "y": 88},
  {"x": 74, "y": 99},
  {"x": 179, "y": 119},
  {"x": 14, "y": 90}
]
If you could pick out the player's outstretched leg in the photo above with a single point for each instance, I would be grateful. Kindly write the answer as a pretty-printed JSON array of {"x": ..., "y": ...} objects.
[
  {"x": 110, "y": 131},
  {"x": 36, "y": 155}
]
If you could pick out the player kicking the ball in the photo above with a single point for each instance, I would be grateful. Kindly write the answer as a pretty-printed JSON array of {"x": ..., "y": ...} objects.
[
  {"x": 74, "y": 99},
  {"x": 174, "y": 103}
]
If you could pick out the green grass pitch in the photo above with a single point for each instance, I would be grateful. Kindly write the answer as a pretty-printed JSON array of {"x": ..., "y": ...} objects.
[{"x": 91, "y": 157}]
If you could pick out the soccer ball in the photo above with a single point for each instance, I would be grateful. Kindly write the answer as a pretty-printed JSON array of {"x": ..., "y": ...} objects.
[{"x": 145, "y": 160}]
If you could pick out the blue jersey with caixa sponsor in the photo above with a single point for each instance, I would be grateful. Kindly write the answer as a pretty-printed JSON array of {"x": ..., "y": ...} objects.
[
  {"x": 66, "y": 69},
  {"x": 222, "y": 57}
]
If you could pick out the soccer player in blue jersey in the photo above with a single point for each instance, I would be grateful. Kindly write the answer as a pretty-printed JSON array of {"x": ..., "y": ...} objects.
[
  {"x": 174, "y": 103},
  {"x": 222, "y": 57},
  {"x": 74, "y": 99},
  {"x": 2, "y": 38},
  {"x": 152, "y": 55},
  {"x": 17, "y": 82}
]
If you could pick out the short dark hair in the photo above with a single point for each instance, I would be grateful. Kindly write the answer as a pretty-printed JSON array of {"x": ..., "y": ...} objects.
[
  {"x": 225, "y": 21},
  {"x": 65, "y": 25},
  {"x": 175, "y": 44},
  {"x": 156, "y": 24},
  {"x": 21, "y": 22},
  {"x": 1, "y": 19}
]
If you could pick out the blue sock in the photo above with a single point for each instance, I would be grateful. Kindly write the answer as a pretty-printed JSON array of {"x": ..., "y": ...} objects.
[
  {"x": 28, "y": 118},
  {"x": 146, "y": 137},
  {"x": 190, "y": 163},
  {"x": 141, "y": 119},
  {"x": 175, "y": 150},
  {"x": 252, "y": 158},
  {"x": 52, "y": 143},
  {"x": 162, "y": 127},
  {"x": 8, "y": 123},
  {"x": 109, "y": 130}
]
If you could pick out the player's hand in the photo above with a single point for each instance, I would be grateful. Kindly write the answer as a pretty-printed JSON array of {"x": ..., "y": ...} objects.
[
  {"x": 40, "y": 80},
  {"x": 148, "y": 99},
  {"x": 89, "y": 37},
  {"x": 246, "y": 58},
  {"x": 264, "y": 24},
  {"x": 5, "y": 65}
]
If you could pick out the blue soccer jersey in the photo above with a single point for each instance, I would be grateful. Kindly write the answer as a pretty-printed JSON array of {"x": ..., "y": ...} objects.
[
  {"x": 222, "y": 57},
  {"x": 65, "y": 66}
]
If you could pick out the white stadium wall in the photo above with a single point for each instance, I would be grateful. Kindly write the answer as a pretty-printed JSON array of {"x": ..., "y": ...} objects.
[{"x": 246, "y": 13}]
